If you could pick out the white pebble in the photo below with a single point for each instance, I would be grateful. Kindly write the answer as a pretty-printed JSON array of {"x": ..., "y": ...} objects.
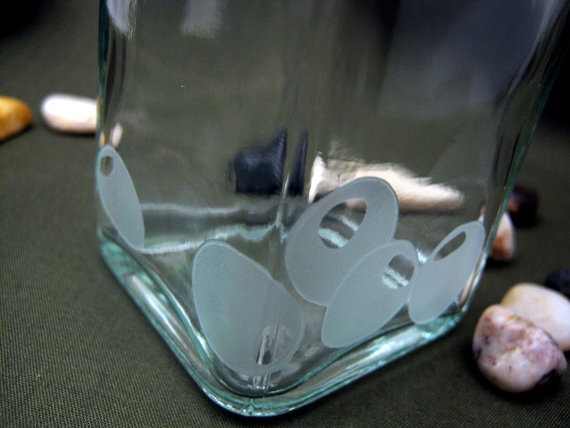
[
  {"x": 546, "y": 308},
  {"x": 69, "y": 113},
  {"x": 514, "y": 354},
  {"x": 415, "y": 194}
]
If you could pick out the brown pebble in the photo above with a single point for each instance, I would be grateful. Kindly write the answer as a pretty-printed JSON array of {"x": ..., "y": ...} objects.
[{"x": 15, "y": 116}]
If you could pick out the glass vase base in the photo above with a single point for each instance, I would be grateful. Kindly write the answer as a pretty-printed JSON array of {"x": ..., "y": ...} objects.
[{"x": 159, "y": 308}]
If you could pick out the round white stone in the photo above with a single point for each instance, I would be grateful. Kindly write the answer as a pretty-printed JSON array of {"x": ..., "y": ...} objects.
[
  {"x": 546, "y": 308},
  {"x": 514, "y": 354},
  {"x": 69, "y": 113}
]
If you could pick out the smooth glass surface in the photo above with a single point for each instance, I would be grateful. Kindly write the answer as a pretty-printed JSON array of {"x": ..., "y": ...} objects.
[{"x": 298, "y": 192}]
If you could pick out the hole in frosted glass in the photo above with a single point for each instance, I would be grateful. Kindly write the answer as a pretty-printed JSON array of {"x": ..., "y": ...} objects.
[
  {"x": 398, "y": 273},
  {"x": 451, "y": 246},
  {"x": 340, "y": 224},
  {"x": 106, "y": 165}
]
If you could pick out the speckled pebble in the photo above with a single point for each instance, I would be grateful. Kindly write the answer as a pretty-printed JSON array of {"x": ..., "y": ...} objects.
[
  {"x": 69, "y": 113},
  {"x": 514, "y": 354},
  {"x": 15, "y": 116},
  {"x": 544, "y": 307},
  {"x": 559, "y": 280},
  {"x": 504, "y": 244}
]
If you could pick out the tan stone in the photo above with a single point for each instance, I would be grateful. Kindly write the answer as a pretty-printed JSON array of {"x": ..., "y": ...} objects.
[
  {"x": 546, "y": 308},
  {"x": 15, "y": 116}
]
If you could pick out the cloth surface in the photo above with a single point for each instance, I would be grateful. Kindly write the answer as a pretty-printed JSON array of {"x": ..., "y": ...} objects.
[{"x": 76, "y": 351}]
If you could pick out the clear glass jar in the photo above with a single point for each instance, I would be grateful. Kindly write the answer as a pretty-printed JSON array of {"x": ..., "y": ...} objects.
[{"x": 296, "y": 193}]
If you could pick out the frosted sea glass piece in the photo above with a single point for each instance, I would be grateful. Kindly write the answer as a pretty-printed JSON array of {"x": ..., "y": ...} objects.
[
  {"x": 249, "y": 320},
  {"x": 316, "y": 269},
  {"x": 372, "y": 292},
  {"x": 119, "y": 197},
  {"x": 443, "y": 276}
]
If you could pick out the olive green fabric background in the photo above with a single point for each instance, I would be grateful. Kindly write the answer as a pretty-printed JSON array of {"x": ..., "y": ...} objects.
[{"x": 76, "y": 351}]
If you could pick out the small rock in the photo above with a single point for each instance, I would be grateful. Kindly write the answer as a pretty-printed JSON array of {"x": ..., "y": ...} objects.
[
  {"x": 523, "y": 206},
  {"x": 415, "y": 194},
  {"x": 544, "y": 307},
  {"x": 559, "y": 280},
  {"x": 514, "y": 354},
  {"x": 15, "y": 116},
  {"x": 70, "y": 114},
  {"x": 504, "y": 244},
  {"x": 259, "y": 170}
]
